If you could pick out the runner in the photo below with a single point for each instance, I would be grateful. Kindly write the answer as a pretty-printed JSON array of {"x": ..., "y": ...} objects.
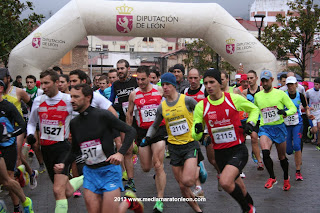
[
  {"x": 102, "y": 173},
  {"x": 177, "y": 111},
  {"x": 53, "y": 110},
  {"x": 198, "y": 93},
  {"x": 249, "y": 94},
  {"x": 220, "y": 112},
  {"x": 64, "y": 84},
  {"x": 144, "y": 101},
  {"x": 313, "y": 96},
  {"x": 33, "y": 91},
  {"x": 294, "y": 124},
  {"x": 8, "y": 147},
  {"x": 179, "y": 71},
  {"x": 15, "y": 95},
  {"x": 122, "y": 89},
  {"x": 271, "y": 103},
  {"x": 154, "y": 77}
]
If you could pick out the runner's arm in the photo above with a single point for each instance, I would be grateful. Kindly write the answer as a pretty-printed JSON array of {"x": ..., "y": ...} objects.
[
  {"x": 33, "y": 118},
  {"x": 19, "y": 120},
  {"x": 197, "y": 118},
  {"x": 103, "y": 103},
  {"x": 190, "y": 103},
  {"x": 154, "y": 127},
  {"x": 112, "y": 95},
  {"x": 242, "y": 104},
  {"x": 129, "y": 115},
  {"x": 75, "y": 148},
  {"x": 25, "y": 97},
  {"x": 286, "y": 100}
]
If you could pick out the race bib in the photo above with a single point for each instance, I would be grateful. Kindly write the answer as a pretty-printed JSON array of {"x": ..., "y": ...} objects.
[
  {"x": 225, "y": 134},
  {"x": 270, "y": 114},
  {"x": 315, "y": 106},
  {"x": 92, "y": 152},
  {"x": 179, "y": 127},
  {"x": 125, "y": 106},
  {"x": 52, "y": 130},
  {"x": 291, "y": 120},
  {"x": 148, "y": 113}
]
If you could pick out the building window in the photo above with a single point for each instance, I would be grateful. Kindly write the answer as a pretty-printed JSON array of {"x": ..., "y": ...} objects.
[
  {"x": 150, "y": 39},
  {"x": 105, "y": 47},
  {"x": 151, "y": 49},
  {"x": 164, "y": 49},
  {"x": 131, "y": 48},
  {"x": 170, "y": 48},
  {"x": 98, "y": 47},
  {"x": 145, "y": 39},
  {"x": 67, "y": 59},
  {"x": 122, "y": 47}
]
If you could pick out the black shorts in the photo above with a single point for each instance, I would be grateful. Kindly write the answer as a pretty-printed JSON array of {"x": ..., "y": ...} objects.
[
  {"x": 236, "y": 156},
  {"x": 54, "y": 154},
  {"x": 159, "y": 136},
  {"x": 255, "y": 128},
  {"x": 9, "y": 154},
  {"x": 180, "y": 153}
]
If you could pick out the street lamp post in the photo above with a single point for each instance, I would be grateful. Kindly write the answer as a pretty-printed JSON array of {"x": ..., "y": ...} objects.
[
  {"x": 259, "y": 17},
  {"x": 101, "y": 57}
]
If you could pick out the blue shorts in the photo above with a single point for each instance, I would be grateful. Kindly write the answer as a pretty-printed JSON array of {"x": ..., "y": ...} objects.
[
  {"x": 277, "y": 133},
  {"x": 294, "y": 138},
  {"x": 102, "y": 179}
]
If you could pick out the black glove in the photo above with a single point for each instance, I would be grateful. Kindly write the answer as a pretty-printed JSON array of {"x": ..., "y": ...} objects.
[
  {"x": 282, "y": 112},
  {"x": 248, "y": 128},
  {"x": 145, "y": 142},
  {"x": 31, "y": 139},
  {"x": 198, "y": 128}
]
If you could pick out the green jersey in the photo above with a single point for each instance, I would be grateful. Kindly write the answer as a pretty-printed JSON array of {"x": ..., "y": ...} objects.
[{"x": 270, "y": 102}]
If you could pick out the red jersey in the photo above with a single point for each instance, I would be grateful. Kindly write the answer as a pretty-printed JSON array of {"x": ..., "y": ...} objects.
[
  {"x": 52, "y": 122},
  {"x": 223, "y": 123},
  {"x": 146, "y": 105},
  {"x": 198, "y": 96}
]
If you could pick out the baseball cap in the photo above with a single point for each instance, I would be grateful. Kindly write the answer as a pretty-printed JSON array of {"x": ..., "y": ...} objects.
[
  {"x": 4, "y": 72},
  {"x": 266, "y": 74},
  {"x": 168, "y": 78},
  {"x": 304, "y": 83},
  {"x": 291, "y": 80},
  {"x": 243, "y": 77}
]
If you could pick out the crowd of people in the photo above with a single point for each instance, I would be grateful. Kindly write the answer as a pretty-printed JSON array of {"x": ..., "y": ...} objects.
[{"x": 85, "y": 134}]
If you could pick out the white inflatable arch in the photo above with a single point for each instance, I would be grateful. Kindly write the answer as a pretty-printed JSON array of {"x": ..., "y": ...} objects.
[{"x": 79, "y": 18}]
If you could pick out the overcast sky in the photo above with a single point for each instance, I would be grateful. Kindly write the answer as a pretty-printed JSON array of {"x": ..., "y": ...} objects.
[{"x": 234, "y": 7}]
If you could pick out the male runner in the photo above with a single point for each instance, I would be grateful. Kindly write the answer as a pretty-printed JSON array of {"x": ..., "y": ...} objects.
[
  {"x": 102, "y": 173},
  {"x": 8, "y": 146},
  {"x": 271, "y": 103},
  {"x": 103, "y": 85},
  {"x": 64, "y": 84},
  {"x": 15, "y": 95},
  {"x": 53, "y": 111},
  {"x": 122, "y": 89},
  {"x": 144, "y": 101},
  {"x": 33, "y": 91},
  {"x": 249, "y": 94},
  {"x": 177, "y": 110},
  {"x": 154, "y": 77},
  {"x": 313, "y": 96},
  {"x": 220, "y": 112},
  {"x": 198, "y": 92},
  {"x": 294, "y": 124},
  {"x": 179, "y": 71}
]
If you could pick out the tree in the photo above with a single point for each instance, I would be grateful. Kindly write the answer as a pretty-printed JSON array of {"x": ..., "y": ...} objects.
[
  {"x": 203, "y": 57},
  {"x": 293, "y": 34},
  {"x": 13, "y": 28}
]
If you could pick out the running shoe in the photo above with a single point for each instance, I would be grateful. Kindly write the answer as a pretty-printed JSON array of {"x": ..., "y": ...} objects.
[
  {"x": 252, "y": 209},
  {"x": 286, "y": 185},
  {"x": 130, "y": 185},
  {"x": 299, "y": 176},
  {"x": 158, "y": 207},
  {"x": 134, "y": 159},
  {"x": 135, "y": 149},
  {"x": 167, "y": 154},
  {"x": 219, "y": 185},
  {"x": 136, "y": 205},
  {"x": 260, "y": 166},
  {"x": 28, "y": 208},
  {"x": 77, "y": 193},
  {"x": 270, "y": 182},
  {"x": 203, "y": 173},
  {"x": 318, "y": 147},
  {"x": 124, "y": 176},
  {"x": 33, "y": 179},
  {"x": 242, "y": 175},
  {"x": 42, "y": 168},
  {"x": 197, "y": 192},
  {"x": 309, "y": 134},
  {"x": 21, "y": 175},
  {"x": 254, "y": 157}
]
